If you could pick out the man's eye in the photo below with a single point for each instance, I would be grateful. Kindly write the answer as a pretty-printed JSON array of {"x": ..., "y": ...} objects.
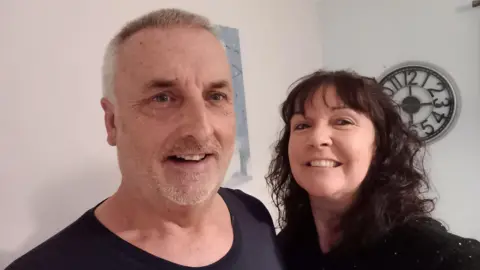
[
  {"x": 161, "y": 98},
  {"x": 218, "y": 96}
]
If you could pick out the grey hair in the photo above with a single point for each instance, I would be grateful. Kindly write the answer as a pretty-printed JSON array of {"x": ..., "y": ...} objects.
[{"x": 162, "y": 18}]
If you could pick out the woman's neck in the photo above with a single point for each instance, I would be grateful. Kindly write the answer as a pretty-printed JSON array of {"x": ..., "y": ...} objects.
[{"x": 327, "y": 218}]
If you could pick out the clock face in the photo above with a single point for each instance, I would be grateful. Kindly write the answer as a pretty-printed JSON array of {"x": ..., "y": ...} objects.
[{"x": 425, "y": 99}]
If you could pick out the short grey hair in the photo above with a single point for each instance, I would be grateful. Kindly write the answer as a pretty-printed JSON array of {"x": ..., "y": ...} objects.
[{"x": 163, "y": 19}]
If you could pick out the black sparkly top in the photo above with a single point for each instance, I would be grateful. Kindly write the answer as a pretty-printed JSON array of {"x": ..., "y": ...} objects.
[{"x": 421, "y": 244}]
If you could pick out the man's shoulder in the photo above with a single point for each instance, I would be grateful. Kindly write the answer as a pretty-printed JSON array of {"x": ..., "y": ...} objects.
[
  {"x": 246, "y": 203},
  {"x": 66, "y": 247},
  {"x": 254, "y": 227},
  {"x": 242, "y": 196}
]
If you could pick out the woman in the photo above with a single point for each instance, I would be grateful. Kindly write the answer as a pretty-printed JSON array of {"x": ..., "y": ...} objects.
[{"x": 348, "y": 180}]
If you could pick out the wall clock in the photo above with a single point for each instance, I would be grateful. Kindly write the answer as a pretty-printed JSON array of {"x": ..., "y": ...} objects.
[{"x": 426, "y": 97}]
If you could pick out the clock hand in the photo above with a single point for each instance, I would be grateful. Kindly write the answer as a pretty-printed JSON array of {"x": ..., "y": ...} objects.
[{"x": 411, "y": 119}]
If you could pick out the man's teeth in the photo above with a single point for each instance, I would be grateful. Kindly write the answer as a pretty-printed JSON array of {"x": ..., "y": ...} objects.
[
  {"x": 323, "y": 163},
  {"x": 191, "y": 157}
]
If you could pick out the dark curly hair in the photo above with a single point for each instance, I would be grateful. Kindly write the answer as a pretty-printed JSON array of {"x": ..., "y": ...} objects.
[{"x": 392, "y": 192}]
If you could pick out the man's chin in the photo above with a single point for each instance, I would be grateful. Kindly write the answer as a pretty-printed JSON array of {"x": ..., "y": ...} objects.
[{"x": 189, "y": 195}]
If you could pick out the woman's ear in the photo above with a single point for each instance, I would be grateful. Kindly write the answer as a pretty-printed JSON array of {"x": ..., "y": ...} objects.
[{"x": 374, "y": 153}]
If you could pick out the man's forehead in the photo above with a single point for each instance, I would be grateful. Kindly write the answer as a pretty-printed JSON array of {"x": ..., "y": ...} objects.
[
  {"x": 172, "y": 45},
  {"x": 151, "y": 53},
  {"x": 164, "y": 41}
]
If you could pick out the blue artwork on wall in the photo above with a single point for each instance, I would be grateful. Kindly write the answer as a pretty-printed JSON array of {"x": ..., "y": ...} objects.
[{"x": 239, "y": 171}]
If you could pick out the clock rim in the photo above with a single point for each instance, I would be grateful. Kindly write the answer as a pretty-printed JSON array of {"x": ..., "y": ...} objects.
[{"x": 445, "y": 75}]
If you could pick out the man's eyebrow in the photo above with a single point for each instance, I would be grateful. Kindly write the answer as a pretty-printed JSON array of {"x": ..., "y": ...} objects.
[
  {"x": 165, "y": 83},
  {"x": 220, "y": 84},
  {"x": 159, "y": 83}
]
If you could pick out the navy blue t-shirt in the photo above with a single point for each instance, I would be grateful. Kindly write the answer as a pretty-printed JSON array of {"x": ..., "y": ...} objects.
[{"x": 88, "y": 245}]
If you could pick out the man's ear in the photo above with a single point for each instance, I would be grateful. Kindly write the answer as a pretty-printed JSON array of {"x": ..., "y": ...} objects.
[{"x": 109, "y": 110}]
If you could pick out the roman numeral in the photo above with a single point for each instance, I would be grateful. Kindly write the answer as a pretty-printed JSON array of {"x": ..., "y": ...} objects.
[{"x": 396, "y": 83}]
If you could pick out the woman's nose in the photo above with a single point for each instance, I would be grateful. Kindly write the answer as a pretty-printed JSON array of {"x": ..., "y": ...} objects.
[{"x": 320, "y": 137}]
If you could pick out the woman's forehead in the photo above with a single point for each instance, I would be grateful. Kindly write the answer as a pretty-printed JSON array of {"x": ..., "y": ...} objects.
[{"x": 324, "y": 98}]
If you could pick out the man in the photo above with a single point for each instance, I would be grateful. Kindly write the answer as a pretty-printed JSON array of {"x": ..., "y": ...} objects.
[{"x": 168, "y": 103}]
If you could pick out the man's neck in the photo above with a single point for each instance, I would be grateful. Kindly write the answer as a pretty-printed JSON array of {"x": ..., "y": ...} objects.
[
  {"x": 187, "y": 235},
  {"x": 125, "y": 210}
]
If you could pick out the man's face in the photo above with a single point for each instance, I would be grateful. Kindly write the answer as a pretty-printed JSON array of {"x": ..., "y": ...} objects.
[{"x": 173, "y": 119}]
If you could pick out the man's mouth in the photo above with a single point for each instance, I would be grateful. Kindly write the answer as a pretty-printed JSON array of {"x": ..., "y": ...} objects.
[{"x": 188, "y": 158}]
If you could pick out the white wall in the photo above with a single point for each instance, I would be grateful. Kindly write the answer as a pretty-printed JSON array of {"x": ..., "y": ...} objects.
[
  {"x": 54, "y": 161},
  {"x": 372, "y": 35}
]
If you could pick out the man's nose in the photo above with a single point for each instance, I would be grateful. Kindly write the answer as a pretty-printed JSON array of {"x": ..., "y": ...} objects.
[{"x": 196, "y": 120}]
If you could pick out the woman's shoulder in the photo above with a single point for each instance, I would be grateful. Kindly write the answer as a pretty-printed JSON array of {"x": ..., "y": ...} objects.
[
  {"x": 288, "y": 240},
  {"x": 300, "y": 250},
  {"x": 306, "y": 236},
  {"x": 432, "y": 242},
  {"x": 435, "y": 234}
]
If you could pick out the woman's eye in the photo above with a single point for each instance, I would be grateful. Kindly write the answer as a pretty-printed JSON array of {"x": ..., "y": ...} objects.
[
  {"x": 344, "y": 122},
  {"x": 162, "y": 98},
  {"x": 300, "y": 126}
]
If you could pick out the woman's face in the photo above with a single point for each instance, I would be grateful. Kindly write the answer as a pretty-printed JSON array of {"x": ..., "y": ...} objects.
[{"x": 330, "y": 147}]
